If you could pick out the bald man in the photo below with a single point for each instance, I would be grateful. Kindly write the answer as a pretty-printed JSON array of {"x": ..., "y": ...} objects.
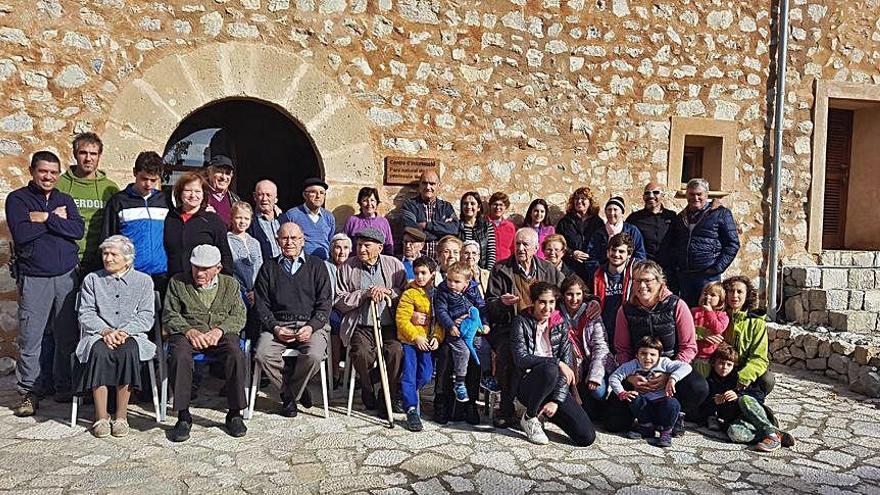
[
  {"x": 653, "y": 220},
  {"x": 434, "y": 216},
  {"x": 264, "y": 228}
]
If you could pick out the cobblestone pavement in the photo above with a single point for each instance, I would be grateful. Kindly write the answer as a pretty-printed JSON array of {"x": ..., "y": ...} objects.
[{"x": 838, "y": 452}]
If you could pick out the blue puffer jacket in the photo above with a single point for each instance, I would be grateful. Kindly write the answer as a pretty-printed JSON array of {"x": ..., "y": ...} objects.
[{"x": 711, "y": 244}]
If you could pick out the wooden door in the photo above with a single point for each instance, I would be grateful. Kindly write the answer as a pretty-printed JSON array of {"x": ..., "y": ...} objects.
[{"x": 837, "y": 163}]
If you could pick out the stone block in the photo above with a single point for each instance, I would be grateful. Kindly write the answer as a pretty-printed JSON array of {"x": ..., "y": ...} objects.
[
  {"x": 853, "y": 321},
  {"x": 806, "y": 276},
  {"x": 872, "y": 300},
  {"x": 829, "y": 258},
  {"x": 811, "y": 346},
  {"x": 775, "y": 345},
  {"x": 867, "y": 383},
  {"x": 794, "y": 310},
  {"x": 797, "y": 352},
  {"x": 817, "y": 364},
  {"x": 782, "y": 356},
  {"x": 844, "y": 258},
  {"x": 818, "y": 317},
  {"x": 783, "y": 333},
  {"x": 860, "y": 278},
  {"x": 7, "y": 366},
  {"x": 856, "y": 299},
  {"x": 835, "y": 278},
  {"x": 863, "y": 354},
  {"x": 842, "y": 347},
  {"x": 838, "y": 363},
  {"x": 852, "y": 371},
  {"x": 828, "y": 299},
  {"x": 863, "y": 259},
  {"x": 824, "y": 348}
]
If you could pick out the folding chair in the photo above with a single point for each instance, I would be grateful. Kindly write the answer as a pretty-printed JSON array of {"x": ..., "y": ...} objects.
[{"x": 288, "y": 353}]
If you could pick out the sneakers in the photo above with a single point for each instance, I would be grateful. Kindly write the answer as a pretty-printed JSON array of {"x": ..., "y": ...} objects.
[
  {"x": 787, "y": 439},
  {"x": 180, "y": 432},
  {"x": 101, "y": 428},
  {"x": 641, "y": 432},
  {"x": 678, "y": 427},
  {"x": 665, "y": 439},
  {"x": 534, "y": 430},
  {"x": 397, "y": 406},
  {"x": 489, "y": 383},
  {"x": 235, "y": 426},
  {"x": 413, "y": 420},
  {"x": 28, "y": 405},
  {"x": 119, "y": 427},
  {"x": 770, "y": 443},
  {"x": 460, "y": 390}
]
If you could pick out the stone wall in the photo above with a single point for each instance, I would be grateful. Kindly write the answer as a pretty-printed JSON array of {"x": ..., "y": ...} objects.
[{"x": 534, "y": 98}]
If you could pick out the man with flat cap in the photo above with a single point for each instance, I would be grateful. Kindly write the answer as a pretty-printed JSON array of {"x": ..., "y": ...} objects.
[
  {"x": 293, "y": 302},
  {"x": 219, "y": 174},
  {"x": 368, "y": 277},
  {"x": 317, "y": 224},
  {"x": 204, "y": 313},
  {"x": 413, "y": 242}
]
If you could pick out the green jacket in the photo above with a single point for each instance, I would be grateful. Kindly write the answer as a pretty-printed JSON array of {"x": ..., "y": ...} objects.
[
  {"x": 747, "y": 333},
  {"x": 90, "y": 196},
  {"x": 184, "y": 310}
]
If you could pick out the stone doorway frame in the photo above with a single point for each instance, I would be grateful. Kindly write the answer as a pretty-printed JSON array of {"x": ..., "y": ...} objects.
[
  {"x": 149, "y": 108},
  {"x": 825, "y": 92}
]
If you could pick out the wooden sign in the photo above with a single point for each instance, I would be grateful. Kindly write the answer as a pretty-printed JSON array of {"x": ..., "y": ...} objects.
[{"x": 404, "y": 171}]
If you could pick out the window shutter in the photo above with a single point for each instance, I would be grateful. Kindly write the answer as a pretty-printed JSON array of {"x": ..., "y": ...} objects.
[{"x": 837, "y": 162}]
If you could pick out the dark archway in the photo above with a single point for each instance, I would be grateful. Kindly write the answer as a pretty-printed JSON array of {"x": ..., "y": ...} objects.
[{"x": 263, "y": 142}]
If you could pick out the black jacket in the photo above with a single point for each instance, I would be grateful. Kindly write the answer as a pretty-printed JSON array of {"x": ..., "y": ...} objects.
[
  {"x": 728, "y": 411},
  {"x": 203, "y": 228},
  {"x": 578, "y": 233},
  {"x": 712, "y": 243},
  {"x": 522, "y": 348},
  {"x": 654, "y": 227},
  {"x": 501, "y": 282}
]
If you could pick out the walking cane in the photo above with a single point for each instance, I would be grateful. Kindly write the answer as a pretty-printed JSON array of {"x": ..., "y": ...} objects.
[{"x": 383, "y": 371}]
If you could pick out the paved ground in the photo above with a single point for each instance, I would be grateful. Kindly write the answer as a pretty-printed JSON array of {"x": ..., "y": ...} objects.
[{"x": 838, "y": 452}]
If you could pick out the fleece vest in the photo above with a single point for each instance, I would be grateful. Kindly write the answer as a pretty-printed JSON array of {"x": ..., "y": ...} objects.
[{"x": 658, "y": 322}]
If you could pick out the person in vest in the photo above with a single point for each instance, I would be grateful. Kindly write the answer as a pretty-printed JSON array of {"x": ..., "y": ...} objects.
[
  {"x": 90, "y": 189},
  {"x": 317, "y": 223},
  {"x": 507, "y": 296},
  {"x": 701, "y": 243},
  {"x": 652, "y": 310}
]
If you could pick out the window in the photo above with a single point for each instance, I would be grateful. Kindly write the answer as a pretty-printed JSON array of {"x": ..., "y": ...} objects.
[
  {"x": 702, "y": 148},
  {"x": 188, "y": 154}
]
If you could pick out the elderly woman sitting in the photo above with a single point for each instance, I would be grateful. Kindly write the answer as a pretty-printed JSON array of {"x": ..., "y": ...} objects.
[{"x": 115, "y": 313}]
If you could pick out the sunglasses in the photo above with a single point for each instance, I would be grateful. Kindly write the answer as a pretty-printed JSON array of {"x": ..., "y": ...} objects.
[{"x": 655, "y": 192}]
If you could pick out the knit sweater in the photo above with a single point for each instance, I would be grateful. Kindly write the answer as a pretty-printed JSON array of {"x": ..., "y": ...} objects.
[
  {"x": 317, "y": 234},
  {"x": 184, "y": 309},
  {"x": 357, "y": 223},
  {"x": 303, "y": 296}
]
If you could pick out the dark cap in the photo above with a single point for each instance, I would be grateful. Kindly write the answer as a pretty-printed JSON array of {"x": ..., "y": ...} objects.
[
  {"x": 222, "y": 161},
  {"x": 315, "y": 181},
  {"x": 371, "y": 234},
  {"x": 417, "y": 234}
]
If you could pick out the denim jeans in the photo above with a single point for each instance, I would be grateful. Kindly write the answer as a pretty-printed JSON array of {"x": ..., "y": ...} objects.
[{"x": 417, "y": 368}]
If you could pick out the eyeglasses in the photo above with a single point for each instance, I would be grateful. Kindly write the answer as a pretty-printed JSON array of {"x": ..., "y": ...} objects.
[
  {"x": 645, "y": 281},
  {"x": 655, "y": 192},
  {"x": 290, "y": 238}
]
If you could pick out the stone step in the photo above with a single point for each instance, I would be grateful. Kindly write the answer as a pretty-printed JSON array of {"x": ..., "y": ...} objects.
[
  {"x": 837, "y": 258},
  {"x": 823, "y": 277}
]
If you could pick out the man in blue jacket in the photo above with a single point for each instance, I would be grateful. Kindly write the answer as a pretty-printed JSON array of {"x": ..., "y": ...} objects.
[
  {"x": 45, "y": 226},
  {"x": 430, "y": 214},
  {"x": 138, "y": 212},
  {"x": 703, "y": 242}
]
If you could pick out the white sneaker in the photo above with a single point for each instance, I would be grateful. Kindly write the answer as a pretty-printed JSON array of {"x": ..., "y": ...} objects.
[{"x": 534, "y": 430}]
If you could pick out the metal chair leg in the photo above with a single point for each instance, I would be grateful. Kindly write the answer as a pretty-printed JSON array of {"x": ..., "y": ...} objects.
[
  {"x": 324, "y": 388},
  {"x": 349, "y": 378}
]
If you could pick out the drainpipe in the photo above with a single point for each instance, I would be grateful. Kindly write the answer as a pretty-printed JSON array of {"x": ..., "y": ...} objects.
[{"x": 781, "y": 65}]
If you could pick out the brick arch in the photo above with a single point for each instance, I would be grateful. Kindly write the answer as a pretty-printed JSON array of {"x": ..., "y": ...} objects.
[{"x": 149, "y": 108}]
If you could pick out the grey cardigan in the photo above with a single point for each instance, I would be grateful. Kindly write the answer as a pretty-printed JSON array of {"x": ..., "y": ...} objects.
[{"x": 122, "y": 303}]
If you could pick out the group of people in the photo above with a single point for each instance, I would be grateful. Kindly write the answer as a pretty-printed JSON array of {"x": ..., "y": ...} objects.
[{"x": 576, "y": 320}]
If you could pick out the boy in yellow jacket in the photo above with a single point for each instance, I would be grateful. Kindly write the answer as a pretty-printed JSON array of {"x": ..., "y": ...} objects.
[{"x": 418, "y": 341}]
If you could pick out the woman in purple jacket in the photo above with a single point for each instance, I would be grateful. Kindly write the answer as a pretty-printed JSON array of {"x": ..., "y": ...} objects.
[{"x": 368, "y": 201}]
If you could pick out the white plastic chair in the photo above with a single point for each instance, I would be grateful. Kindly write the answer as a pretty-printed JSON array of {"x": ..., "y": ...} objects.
[
  {"x": 258, "y": 374},
  {"x": 75, "y": 402}
]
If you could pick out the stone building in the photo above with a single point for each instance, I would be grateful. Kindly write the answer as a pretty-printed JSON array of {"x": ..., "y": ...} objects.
[{"x": 531, "y": 97}]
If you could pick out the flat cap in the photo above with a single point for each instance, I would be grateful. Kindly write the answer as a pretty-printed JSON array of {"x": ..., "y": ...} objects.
[
  {"x": 416, "y": 234},
  {"x": 204, "y": 256},
  {"x": 372, "y": 234},
  {"x": 315, "y": 181},
  {"x": 222, "y": 161}
]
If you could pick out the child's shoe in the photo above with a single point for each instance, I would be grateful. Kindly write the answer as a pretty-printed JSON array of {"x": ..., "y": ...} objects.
[
  {"x": 641, "y": 431},
  {"x": 534, "y": 430},
  {"x": 461, "y": 394},
  {"x": 413, "y": 420},
  {"x": 489, "y": 383},
  {"x": 770, "y": 443},
  {"x": 665, "y": 439},
  {"x": 787, "y": 439}
]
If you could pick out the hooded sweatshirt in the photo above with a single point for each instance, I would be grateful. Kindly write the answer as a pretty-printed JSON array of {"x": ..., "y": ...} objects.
[{"x": 89, "y": 196}]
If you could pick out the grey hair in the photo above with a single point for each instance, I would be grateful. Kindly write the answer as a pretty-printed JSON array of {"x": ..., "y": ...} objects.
[
  {"x": 698, "y": 182},
  {"x": 527, "y": 232},
  {"x": 340, "y": 237},
  {"x": 123, "y": 244},
  {"x": 471, "y": 243}
]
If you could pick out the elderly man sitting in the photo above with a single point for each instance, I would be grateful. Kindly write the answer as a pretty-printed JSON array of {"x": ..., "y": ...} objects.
[
  {"x": 204, "y": 313},
  {"x": 116, "y": 309},
  {"x": 370, "y": 277},
  {"x": 293, "y": 301}
]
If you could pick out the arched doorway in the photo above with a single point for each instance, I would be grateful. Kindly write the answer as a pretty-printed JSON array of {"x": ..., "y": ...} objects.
[{"x": 262, "y": 141}]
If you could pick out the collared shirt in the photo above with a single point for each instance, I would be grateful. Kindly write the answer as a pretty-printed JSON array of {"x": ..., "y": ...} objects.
[
  {"x": 542, "y": 340},
  {"x": 530, "y": 273},
  {"x": 293, "y": 266},
  {"x": 208, "y": 292},
  {"x": 430, "y": 249},
  {"x": 373, "y": 276},
  {"x": 270, "y": 228},
  {"x": 315, "y": 216}
]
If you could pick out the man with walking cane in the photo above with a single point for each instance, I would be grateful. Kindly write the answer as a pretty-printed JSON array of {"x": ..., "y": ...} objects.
[{"x": 366, "y": 280}]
